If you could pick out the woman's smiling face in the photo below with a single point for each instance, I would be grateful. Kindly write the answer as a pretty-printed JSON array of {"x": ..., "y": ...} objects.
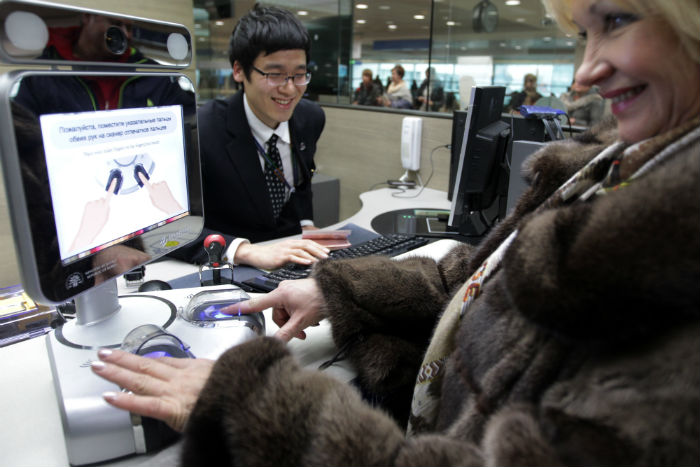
[{"x": 639, "y": 64}]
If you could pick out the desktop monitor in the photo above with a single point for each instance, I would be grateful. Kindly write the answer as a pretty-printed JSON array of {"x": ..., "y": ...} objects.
[
  {"x": 522, "y": 129},
  {"x": 95, "y": 193},
  {"x": 481, "y": 183},
  {"x": 485, "y": 162}
]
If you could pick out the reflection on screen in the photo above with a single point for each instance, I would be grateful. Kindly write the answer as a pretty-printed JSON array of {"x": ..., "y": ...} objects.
[{"x": 114, "y": 175}]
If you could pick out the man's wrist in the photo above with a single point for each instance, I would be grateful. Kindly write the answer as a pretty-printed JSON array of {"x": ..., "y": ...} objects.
[{"x": 230, "y": 253}]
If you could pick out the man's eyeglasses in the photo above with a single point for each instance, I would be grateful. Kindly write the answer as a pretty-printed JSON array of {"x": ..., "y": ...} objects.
[{"x": 280, "y": 79}]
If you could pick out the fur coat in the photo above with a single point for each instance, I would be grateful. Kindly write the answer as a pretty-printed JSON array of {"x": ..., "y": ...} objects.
[{"x": 584, "y": 347}]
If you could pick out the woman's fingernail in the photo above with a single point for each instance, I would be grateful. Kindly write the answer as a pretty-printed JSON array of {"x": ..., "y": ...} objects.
[
  {"x": 97, "y": 365},
  {"x": 109, "y": 396},
  {"x": 102, "y": 353}
]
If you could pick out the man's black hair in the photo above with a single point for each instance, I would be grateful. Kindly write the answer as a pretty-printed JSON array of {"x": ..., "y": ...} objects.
[{"x": 266, "y": 29}]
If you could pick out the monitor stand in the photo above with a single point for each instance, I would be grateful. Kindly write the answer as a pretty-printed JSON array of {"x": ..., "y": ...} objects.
[
  {"x": 95, "y": 431},
  {"x": 103, "y": 318}
]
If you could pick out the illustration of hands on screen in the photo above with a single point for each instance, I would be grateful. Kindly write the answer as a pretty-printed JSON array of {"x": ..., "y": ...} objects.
[{"x": 112, "y": 172}]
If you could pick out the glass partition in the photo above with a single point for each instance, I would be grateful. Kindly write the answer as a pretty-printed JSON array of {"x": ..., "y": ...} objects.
[{"x": 465, "y": 43}]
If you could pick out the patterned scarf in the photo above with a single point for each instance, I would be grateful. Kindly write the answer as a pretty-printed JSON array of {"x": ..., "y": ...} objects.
[{"x": 612, "y": 169}]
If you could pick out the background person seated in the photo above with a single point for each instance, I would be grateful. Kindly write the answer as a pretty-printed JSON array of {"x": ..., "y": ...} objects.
[
  {"x": 528, "y": 96},
  {"x": 368, "y": 93},
  {"x": 398, "y": 94}
]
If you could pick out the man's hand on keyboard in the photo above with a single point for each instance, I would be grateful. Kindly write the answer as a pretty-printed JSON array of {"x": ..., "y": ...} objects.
[
  {"x": 295, "y": 305},
  {"x": 275, "y": 255}
]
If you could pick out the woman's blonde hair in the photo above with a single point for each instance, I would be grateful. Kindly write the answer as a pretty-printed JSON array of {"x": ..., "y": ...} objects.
[{"x": 683, "y": 16}]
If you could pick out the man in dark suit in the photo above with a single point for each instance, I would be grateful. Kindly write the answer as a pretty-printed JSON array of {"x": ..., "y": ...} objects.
[{"x": 250, "y": 195}]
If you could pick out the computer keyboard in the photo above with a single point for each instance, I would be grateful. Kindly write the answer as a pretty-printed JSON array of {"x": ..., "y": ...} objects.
[{"x": 388, "y": 245}]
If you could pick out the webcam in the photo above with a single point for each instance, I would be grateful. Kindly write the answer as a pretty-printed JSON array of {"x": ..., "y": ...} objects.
[
  {"x": 26, "y": 30},
  {"x": 115, "y": 40}
]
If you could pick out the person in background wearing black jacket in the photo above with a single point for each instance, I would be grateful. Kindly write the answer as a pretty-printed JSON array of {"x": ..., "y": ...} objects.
[
  {"x": 368, "y": 93},
  {"x": 269, "y": 52},
  {"x": 528, "y": 96}
]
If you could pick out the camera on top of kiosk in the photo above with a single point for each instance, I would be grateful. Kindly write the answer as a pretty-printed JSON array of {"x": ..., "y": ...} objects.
[
  {"x": 100, "y": 159},
  {"x": 32, "y": 33}
]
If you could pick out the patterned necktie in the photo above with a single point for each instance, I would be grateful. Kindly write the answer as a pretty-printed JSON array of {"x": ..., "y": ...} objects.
[{"x": 274, "y": 176}]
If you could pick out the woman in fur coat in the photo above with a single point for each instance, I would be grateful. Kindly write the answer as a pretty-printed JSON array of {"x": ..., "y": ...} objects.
[{"x": 569, "y": 336}]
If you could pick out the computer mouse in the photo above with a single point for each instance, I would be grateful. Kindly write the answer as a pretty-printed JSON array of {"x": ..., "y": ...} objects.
[{"x": 154, "y": 285}]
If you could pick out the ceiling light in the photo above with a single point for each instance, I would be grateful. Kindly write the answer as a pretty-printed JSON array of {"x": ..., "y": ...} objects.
[
  {"x": 361, "y": 21},
  {"x": 512, "y": 2},
  {"x": 547, "y": 39},
  {"x": 303, "y": 13},
  {"x": 384, "y": 7},
  {"x": 392, "y": 26},
  {"x": 519, "y": 20},
  {"x": 361, "y": 6},
  {"x": 219, "y": 23},
  {"x": 418, "y": 16},
  {"x": 450, "y": 23}
]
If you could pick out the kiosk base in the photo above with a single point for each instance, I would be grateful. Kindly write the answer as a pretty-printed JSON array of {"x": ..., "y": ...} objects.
[{"x": 95, "y": 431}]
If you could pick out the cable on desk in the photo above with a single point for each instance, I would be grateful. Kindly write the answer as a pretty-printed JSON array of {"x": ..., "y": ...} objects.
[
  {"x": 376, "y": 185},
  {"x": 432, "y": 171}
]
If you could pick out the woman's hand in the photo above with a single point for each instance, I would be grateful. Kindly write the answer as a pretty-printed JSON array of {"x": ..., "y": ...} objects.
[
  {"x": 163, "y": 388},
  {"x": 295, "y": 305},
  {"x": 275, "y": 255}
]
